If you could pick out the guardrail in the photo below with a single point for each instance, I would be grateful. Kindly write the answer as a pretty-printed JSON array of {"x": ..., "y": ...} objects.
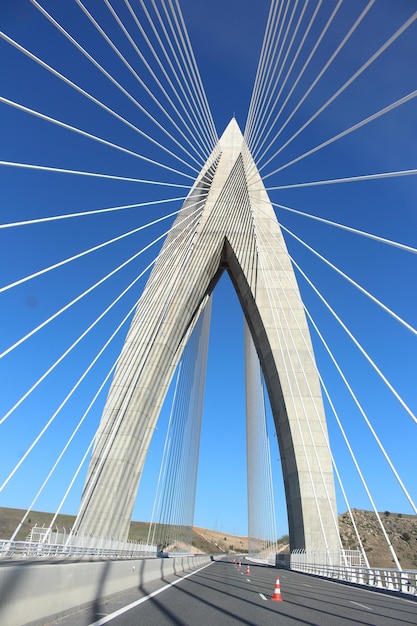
[
  {"x": 404, "y": 581},
  {"x": 33, "y": 549}
]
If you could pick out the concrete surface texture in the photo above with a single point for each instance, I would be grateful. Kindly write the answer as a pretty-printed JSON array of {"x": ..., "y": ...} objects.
[{"x": 227, "y": 223}]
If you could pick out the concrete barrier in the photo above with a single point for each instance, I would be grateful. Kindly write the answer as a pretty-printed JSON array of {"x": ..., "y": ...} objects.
[{"x": 34, "y": 590}]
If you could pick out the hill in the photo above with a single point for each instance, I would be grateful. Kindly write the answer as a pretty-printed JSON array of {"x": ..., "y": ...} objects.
[
  {"x": 401, "y": 529},
  {"x": 203, "y": 540}
]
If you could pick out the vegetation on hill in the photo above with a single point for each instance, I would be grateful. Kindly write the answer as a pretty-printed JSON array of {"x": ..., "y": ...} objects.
[
  {"x": 10, "y": 518},
  {"x": 401, "y": 530}
]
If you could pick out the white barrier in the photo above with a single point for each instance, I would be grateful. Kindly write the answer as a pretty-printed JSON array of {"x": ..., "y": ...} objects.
[
  {"x": 404, "y": 581},
  {"x": 33, "y": 590}
]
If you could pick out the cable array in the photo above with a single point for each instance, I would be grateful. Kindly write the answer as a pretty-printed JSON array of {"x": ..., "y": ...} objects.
[
  {"x": 172, "y": 521},
  {"x": 357, "y": 402},
  {"x": 284, "y": 110},
  {"x": 262, "y": 533},
  {"x": 117, "y": 130}
]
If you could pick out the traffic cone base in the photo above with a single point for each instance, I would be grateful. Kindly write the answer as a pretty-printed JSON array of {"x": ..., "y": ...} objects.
[{"x": 277, "y": 592}]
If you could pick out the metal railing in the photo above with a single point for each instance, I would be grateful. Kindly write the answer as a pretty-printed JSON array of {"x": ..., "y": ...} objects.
[
  {"x": 22, "y": 549},
  {"x": 44, "y": 542},
  {"x": 329, "y": 557},
  {"x": 404, "y": 581}
]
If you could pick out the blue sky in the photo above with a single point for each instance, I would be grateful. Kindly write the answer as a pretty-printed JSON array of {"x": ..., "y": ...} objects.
[{"x": 227, "y": 40}]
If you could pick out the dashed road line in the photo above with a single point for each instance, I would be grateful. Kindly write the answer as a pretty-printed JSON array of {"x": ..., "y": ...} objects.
[{"x": 363, "y": 606}]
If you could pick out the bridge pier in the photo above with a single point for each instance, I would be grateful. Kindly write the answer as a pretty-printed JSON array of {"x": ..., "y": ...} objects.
[{"x": 231, "y": 226}]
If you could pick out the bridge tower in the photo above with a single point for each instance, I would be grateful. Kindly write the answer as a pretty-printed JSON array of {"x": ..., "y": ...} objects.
[{"x": 218, "y": 229}]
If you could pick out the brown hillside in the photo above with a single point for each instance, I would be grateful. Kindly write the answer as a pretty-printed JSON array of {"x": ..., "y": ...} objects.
[{"x": 401, "y": 529}]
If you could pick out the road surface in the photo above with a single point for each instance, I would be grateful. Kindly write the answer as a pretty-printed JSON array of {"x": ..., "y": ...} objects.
[{"x": 222, "y": 594}]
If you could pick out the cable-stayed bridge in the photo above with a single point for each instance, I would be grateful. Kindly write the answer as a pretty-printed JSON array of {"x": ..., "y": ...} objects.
[{"x": 122, "y": 208}]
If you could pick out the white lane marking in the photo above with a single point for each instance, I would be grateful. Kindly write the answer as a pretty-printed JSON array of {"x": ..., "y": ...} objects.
[
  {"x": 128, "y": 607},
  {"x": 262, "y": 596},
  {"x": 304, "y": 585},
  {"x": 363, "y": 606}
]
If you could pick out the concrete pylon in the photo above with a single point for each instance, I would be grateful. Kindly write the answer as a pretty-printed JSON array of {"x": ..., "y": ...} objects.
[{"x": 227, "y": 223}]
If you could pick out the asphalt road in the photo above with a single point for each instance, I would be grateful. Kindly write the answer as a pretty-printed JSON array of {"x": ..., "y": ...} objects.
[{"x": 224, "y": 594}]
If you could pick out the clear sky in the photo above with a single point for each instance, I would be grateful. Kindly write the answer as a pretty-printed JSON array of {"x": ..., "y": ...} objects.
[{"x": 227, "y": 39}]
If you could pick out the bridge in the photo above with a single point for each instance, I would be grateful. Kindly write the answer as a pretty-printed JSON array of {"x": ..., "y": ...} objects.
[{"x": 208, "y": 240}]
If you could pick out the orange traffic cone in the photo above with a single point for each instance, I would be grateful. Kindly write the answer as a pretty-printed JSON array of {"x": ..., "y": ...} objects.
[
  {"x": 248, "y": 571},
  {"x": 277, "y": 591}
]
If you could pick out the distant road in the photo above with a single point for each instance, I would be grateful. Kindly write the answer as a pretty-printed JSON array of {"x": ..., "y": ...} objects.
[{"x": 222, "y": 594}]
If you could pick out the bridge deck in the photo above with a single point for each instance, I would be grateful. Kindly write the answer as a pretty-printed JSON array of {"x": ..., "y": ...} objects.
[{"x": 222, "y": 593}]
